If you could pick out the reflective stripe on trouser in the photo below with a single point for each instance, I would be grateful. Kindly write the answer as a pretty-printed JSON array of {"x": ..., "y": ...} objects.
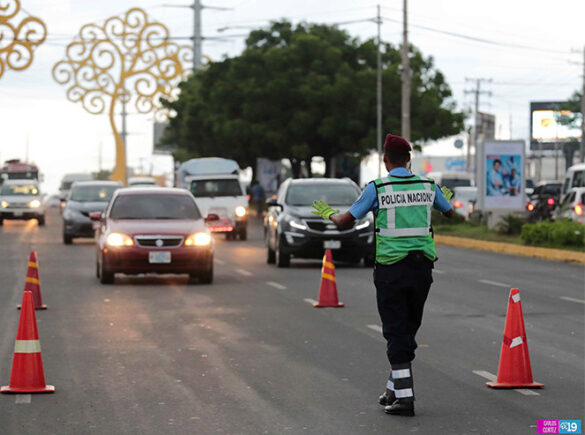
[{"x": 402, "y": 382}]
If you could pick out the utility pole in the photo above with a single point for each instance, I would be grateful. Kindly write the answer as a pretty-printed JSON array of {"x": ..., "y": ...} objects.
[
  {"x": 477, "y": 93},
  {"x": 582, "y": 153},
  {"x": 197, "y": 32},
  {"x": 379, "y": 95},
  {"x": 405, "y": 77},
  {"x": 124, "y": 134},
  {"x": 197, "y": 38}
]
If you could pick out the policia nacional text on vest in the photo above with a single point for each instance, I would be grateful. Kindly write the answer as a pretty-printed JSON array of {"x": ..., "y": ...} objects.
[{"x": 404, "y": 218}]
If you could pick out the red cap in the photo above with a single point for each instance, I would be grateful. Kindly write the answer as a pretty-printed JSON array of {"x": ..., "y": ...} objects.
[{"x": 397, "y": 143}]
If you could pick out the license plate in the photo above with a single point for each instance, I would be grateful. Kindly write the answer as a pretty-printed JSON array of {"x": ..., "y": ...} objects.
[
  {"x": 17, "y": 213},
  {"x": 332, "y": 244},
  {"x": 159, "y": 257}
]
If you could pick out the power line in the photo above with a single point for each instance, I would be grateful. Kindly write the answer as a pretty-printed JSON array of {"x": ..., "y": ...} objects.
[{"x": 482, "y": 40}]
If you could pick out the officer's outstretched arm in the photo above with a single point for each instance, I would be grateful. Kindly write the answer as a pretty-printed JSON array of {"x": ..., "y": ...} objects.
[{"x": 342, "y": 220}]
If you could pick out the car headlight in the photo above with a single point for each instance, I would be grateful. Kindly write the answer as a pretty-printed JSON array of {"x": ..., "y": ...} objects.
[
  {"x": 363, "y": 224},
  {"x": 35, "y": 203},
  {"x": 4, "y": 204},
  {"x": 298, "y": 224},
  {"x": 240, "y": 211},
  {"x": 117, "y": 240},
  {"x": 198, "y": 239}
]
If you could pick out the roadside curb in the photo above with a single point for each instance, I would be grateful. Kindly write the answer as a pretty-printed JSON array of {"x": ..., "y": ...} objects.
[{"x": 509, "y": 248}]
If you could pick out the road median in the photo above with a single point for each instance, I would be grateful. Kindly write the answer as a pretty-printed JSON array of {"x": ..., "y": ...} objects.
[{"x": 512, "y": 249}]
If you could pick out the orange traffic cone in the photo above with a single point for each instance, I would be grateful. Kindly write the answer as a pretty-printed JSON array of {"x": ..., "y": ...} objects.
[
  {"x": 514, "y": 370},
  {"x": 32, "y": 282},
  {"x": 27, "y": 375},
  {"x": 328, "y": 289}
]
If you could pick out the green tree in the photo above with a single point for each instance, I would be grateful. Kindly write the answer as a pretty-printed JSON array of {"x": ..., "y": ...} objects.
[
  {"x": 571, "y": 116},
  {"x": 304, "y": 91}
]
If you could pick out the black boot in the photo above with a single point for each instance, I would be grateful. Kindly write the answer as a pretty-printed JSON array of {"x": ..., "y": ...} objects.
[
  {"x": 403, "y": 390},
  {"x": 387, "y": 398},
  {"x": 401, "y": 407}
]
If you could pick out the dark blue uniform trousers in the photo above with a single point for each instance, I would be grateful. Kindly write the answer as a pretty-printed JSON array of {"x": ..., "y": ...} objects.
[{"x": 401, "y": 291}]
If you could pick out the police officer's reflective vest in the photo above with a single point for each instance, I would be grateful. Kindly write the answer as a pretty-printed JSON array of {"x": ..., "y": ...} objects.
[{"x": 404, "y": 218}]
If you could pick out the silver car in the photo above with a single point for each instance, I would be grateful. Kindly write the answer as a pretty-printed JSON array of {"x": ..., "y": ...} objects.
[
  {"x": 571, "y": 207},
  {"x": 21, "y": 199},
  {"x": 464, "y": 199}
]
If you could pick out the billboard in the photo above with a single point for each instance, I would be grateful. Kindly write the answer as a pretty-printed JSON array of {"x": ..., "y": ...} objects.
[
  {"x": 546, "y": 128},
  {"x": 503, "y": 175}
]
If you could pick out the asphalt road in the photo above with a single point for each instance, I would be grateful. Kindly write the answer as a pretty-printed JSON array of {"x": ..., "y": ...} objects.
[{"x": 249, "y": 354}]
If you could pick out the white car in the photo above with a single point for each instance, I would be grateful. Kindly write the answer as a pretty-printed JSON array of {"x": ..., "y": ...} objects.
[
  {"x": 21, "y": 199},
  {"x": 572, "y": 205},
  {"x": 464, "y": 199}
]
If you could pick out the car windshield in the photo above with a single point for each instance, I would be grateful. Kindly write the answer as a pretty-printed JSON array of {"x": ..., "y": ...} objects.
[
  {"x": 333, "y": 193},
  {"x": 19, "y": 190},
  {"x": 219, "y": 187},
  {"x": 92, "y": 193},
  {"x": 154, "y": 206},
  {"x": 455, "y": 182}
]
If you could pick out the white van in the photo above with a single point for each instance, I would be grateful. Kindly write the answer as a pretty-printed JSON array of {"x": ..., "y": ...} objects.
[
  {"x": 223, "y": 195},
  {"x": 575, "y": 177},
  {"x": 451, "y": 179}
]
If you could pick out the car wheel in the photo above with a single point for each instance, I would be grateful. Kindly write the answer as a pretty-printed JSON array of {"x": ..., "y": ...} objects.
[
  {"x": 207, "y": 276},
  {"x": 106, "y": 277},
  {"x": 244, "y": 234},
  {"x": 67, "y": 239},
  {"x": 270, "y": 256},
  {"x": 41, "y": 221},
  {"x": 369, "y": 261},
  {"x": 282, "y": 259}
]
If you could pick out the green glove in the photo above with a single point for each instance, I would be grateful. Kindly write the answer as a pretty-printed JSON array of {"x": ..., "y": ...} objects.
[
  {"x": 446, "y": 193},
  {"x": 322, "y": 209}
]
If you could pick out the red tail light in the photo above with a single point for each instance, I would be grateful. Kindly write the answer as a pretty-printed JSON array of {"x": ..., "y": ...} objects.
[
  {"x": 249, "y": 197},
  {"x": 550, "y": 201},
  {"x": 579, "y": 209},
  {"x": 529, "y": 206},
  {"x": 457, "y": 204}
]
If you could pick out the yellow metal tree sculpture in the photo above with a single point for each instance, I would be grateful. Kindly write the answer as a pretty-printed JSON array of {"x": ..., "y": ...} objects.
[
  {"x": 128, "y": 58},
  {"x": 18, "y": 38}
]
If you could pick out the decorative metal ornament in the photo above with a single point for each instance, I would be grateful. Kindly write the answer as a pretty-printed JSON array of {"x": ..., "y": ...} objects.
[
  {"x": 18, "y": 39},
  {"x": 127, "y": 58}
]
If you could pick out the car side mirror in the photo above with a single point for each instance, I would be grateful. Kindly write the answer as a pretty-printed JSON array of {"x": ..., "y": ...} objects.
[
  {"x": 211, "y": 217},
  {"x": 96, "y": 216},
  {"x": 271, "y": 202}
]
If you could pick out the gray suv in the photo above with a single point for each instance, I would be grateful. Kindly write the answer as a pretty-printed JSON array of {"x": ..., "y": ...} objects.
[{"x": 85, "y": 198}]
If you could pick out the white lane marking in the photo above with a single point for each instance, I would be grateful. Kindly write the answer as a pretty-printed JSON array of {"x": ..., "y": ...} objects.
[
  {"x": 526, "y": 392},
  {"x": 310, "y": 301},
  {"x": 243, "y": 272},
  {"x": 496, "y": 283},
  {"x": 493, "y": 378},
  {"x": 566, "y": 298},
  {"x": 220, "y": 262},
  {"x": 487, "y": 375},
  {"x": 23, "y": 398},
  {"x": 276, "y": 285},
  {"x": 440, "y": 272},
  {"x": 376, "y": 328}
]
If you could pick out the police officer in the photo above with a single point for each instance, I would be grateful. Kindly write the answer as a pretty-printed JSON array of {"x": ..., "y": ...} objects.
[{"x": 405, "y": 252}]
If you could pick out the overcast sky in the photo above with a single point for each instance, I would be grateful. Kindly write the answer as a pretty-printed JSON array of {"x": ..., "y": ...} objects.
[{"x": 528, "y": 56}]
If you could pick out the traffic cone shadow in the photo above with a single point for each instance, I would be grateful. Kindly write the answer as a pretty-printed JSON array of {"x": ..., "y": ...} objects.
[
  {"x": 27, "y": 374},
  {"x": 514, "y": 370},
  {"x": 328, "y": 288},
  {"x": 32, "y": 282}
]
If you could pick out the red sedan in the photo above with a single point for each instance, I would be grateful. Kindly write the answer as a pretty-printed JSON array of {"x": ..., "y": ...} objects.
[{"x": 153, "y": 230}]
